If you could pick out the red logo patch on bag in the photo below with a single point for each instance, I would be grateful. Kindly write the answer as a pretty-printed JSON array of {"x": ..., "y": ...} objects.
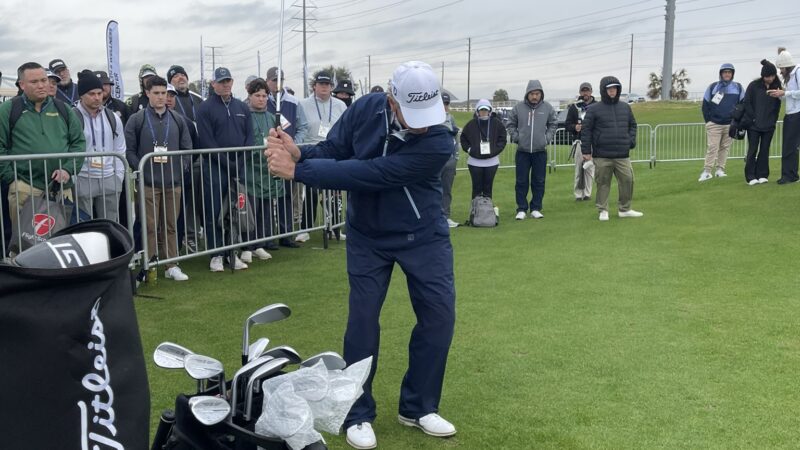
[
  {"x": 42, "y": 223},
  {"x": 242, "y": 202}
]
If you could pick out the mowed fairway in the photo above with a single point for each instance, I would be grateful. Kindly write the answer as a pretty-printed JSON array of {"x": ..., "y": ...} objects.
[{"x": 676, "y": 330}]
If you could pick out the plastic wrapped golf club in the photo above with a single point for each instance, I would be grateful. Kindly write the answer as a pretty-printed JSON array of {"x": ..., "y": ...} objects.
[
  {"x": 257, "y": 348},
  {"x": 202, "y": 367},
  {"x": 267, "y": 314},
  {"x": 169, "y": 355},
  {"x": 332, "y": 361},
  {"x": 241, "y": 375},
  {"x": 265, "y": 370},
  {"x": 209, "y": 410}
]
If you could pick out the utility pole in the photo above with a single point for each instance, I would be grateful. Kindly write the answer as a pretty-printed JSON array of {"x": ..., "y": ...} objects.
[
  {"x": 469, "y": 66},
  {"x": 669, "y": 40},
  {"x": 305, "y": 54},
  {"x": 202, "y": 70},
  {"x": 442, "y": 74},
  {"x": 213, "y": 56},
  {"x": 259, "y": 64},
  {"x": 630, "y": 74},
  {"x": 369, "y": 71}
]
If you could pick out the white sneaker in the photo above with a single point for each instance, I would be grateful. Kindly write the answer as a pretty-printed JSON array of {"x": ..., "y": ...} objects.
[
  {"x": 497, "y": 211},
  {"x": 536, "y": 215},
  {"x": 432, "y": 424},
  {"x": 342, "y": 237},
  {"x": 216, "y": 264},
  {"x": 720, "y": 173},
  {"x": 452, "y": 223},
  {"x": 237, "y": 263},
  {"x": 762, "y": 180},
  {"x": 302, "y": 237},
  {"x": 706, "y": 175},
  {"x": 176, "y": 274},
  {"x": 520, "y": 215},
  {"x": 603, "y": 216},
  {"x": 361, "y": 436},
  {"x": 261, "y": 254},
  {"x": 753, "y": 182},
  {"x": 630, "y": 213},
  {"x": 247, "y": 256}
]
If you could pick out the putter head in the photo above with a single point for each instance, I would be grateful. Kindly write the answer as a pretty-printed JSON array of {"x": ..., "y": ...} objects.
[
  {"x": 332, "y": 361},
  {"x": 284, "y": 351},
  {"x": 209, "y": 410},
  {"x": 202, "y": 367},
  {"x": 267, "y": 314},
  {"x": 169, "y": 355},
  {"x": 257, "y": 348},
  {"x": 266, "y": 370},
  {"x": 244, "y": 372}
]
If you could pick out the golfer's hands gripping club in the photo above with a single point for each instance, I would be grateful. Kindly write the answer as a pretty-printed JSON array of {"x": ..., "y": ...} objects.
[{"x": 282, "y": 154}]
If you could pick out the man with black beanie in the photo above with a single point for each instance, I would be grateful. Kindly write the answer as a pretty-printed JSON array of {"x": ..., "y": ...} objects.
[{"x": 186, "y": 102}]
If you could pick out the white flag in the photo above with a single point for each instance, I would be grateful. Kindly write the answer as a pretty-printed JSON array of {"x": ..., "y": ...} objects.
[{"x": 112, "y": 50}]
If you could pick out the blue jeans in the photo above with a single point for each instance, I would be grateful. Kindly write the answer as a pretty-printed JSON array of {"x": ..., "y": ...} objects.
[{"x": 531, "y": 171}]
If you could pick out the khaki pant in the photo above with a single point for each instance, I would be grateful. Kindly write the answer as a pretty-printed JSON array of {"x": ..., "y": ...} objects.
[
  {"x": 718, "y": 145},
  {"x": 162, "y": 208},
  {"x": 587, "y": 175},
  {"x": 620, "y": 168}
]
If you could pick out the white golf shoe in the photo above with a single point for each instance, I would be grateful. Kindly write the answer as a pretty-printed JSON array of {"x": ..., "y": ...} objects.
[
  {"x": 630, "y": 213},
  {"x": 431, "y": 424},
  {"x": 520, "y": 215},
  {"x": 603, "y": 216},
  {"x": 361, "y": 436}
]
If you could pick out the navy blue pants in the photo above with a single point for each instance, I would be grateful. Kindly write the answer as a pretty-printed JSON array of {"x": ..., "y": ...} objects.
[
  {"x": 428, "y": 266},
  {"x": 216, "y": 182},
  {"x": 531, "y": 172}
]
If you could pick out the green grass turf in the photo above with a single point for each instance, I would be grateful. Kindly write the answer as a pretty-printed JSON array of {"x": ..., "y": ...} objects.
[{"x": 676, "y": 330}]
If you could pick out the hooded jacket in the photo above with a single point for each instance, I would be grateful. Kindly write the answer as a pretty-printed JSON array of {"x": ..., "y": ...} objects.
[
  {"x": 477, "y": 131},
  {"x": 395, "y": 186},
  {"x": 760, "y": 110},
  {"x": 609, "y": 128},
  {"x": 722, "y": 113},
  {"x": 532, "y": 126}
]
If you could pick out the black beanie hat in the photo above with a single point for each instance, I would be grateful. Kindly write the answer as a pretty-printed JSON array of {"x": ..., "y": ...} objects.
[
  {"x": 767, "y": 68},
  {"x": 174, "y": 70},
  {"x": 88, "y": 80}
]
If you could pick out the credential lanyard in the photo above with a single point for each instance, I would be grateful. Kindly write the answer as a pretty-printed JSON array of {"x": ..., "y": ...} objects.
[
  {"x": 102, "y": 131},
  {"x": 153, "y": 133},
  {"x": 330, "y": 109}
]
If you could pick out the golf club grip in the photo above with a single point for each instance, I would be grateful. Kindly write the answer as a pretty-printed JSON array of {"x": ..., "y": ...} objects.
[
  {"x": 244, "y": 359},
  {"x": 278, "y": 119},
  {"x": 165, "y": 424}
]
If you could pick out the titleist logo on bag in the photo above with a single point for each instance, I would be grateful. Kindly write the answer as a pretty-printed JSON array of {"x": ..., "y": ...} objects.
[{"x": 100, "y": 430}]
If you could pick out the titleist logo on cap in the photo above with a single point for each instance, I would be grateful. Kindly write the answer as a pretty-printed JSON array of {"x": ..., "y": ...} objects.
[{"x": 414, "y": 97}]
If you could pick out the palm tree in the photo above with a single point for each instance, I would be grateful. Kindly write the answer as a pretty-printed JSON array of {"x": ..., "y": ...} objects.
[{"x": 678, "y": 91}]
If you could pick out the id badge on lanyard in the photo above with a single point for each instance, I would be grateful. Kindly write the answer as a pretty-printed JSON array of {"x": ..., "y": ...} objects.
[
  {"x": 160, "y": 150},
  {"x": 485, "y": 148},
  {"x": 96, "y": 162},
  {"x": 323, "y": 131},
  {"x": 285, "y": 124},
  {"x": 718, "y": 98}
]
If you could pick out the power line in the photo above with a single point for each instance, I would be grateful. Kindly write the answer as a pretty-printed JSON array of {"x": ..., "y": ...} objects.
[{"x": 391, "y": 20}]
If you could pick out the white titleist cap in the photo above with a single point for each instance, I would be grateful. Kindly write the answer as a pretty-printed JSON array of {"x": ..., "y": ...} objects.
[{"x": 415, "y": 87}]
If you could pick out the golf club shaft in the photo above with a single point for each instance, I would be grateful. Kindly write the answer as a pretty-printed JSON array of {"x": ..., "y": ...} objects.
[{"x": 280, "y": 72}]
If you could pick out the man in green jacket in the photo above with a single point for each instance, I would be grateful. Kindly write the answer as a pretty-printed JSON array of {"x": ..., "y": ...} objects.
[{"x": 42, "y": 127}]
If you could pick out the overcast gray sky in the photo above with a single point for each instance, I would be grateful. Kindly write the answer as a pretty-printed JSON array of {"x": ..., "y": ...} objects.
[{"x": 561, "y": 43}]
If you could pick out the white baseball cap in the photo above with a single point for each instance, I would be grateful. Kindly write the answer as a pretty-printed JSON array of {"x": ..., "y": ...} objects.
[{"x": 415, "y": 87}]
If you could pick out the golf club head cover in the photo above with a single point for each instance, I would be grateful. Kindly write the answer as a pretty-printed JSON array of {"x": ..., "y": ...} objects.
[{"x": 67, "y": 251}]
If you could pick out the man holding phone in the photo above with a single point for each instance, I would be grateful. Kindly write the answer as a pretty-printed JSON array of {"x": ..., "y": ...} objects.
[{"x": 791, "y": 121}]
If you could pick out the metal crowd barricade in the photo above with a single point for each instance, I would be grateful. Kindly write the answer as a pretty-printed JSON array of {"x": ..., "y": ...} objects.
[
  {"x": 22, "y": 168},
  {"x": 561, "y": 146},
  {"x": 228, "y": 201},
  {"x": 687, "y": 142}
]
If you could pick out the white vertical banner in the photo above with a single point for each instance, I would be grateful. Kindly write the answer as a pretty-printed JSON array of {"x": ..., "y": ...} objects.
[{"x": 112, "y": 52}]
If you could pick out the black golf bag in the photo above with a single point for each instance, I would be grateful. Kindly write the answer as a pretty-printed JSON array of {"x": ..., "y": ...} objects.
[
  {"x": 179, "y": 430},
  {"x": 72, "y": 361}
]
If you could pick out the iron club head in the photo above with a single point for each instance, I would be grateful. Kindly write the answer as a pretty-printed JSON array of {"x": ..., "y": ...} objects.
[
  {"x": 169, "y": 355},
  {"x": 267, "y": 314},
  {"x": 332, "y": 361},
  {"x": 209, "y": 410}
]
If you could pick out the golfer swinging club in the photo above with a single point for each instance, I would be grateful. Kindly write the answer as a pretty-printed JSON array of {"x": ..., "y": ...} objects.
[{"x": 387, "y": 151}]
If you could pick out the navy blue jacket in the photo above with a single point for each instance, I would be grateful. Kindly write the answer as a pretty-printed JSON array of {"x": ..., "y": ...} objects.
[
  {"x": 221, "y": 126},
  {"x": 395, "y": 187},
  {"x": 722, "y": 113}
]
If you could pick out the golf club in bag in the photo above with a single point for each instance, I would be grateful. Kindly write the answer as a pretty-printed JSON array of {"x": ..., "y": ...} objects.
[{"x": 72, "y": 355}]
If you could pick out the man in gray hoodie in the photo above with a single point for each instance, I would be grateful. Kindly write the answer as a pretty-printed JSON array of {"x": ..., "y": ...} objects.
[{"x": 531, "y": 125}]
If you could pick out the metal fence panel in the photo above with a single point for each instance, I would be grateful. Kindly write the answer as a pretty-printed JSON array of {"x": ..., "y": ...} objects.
[{"x": 687, "y": 142}]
